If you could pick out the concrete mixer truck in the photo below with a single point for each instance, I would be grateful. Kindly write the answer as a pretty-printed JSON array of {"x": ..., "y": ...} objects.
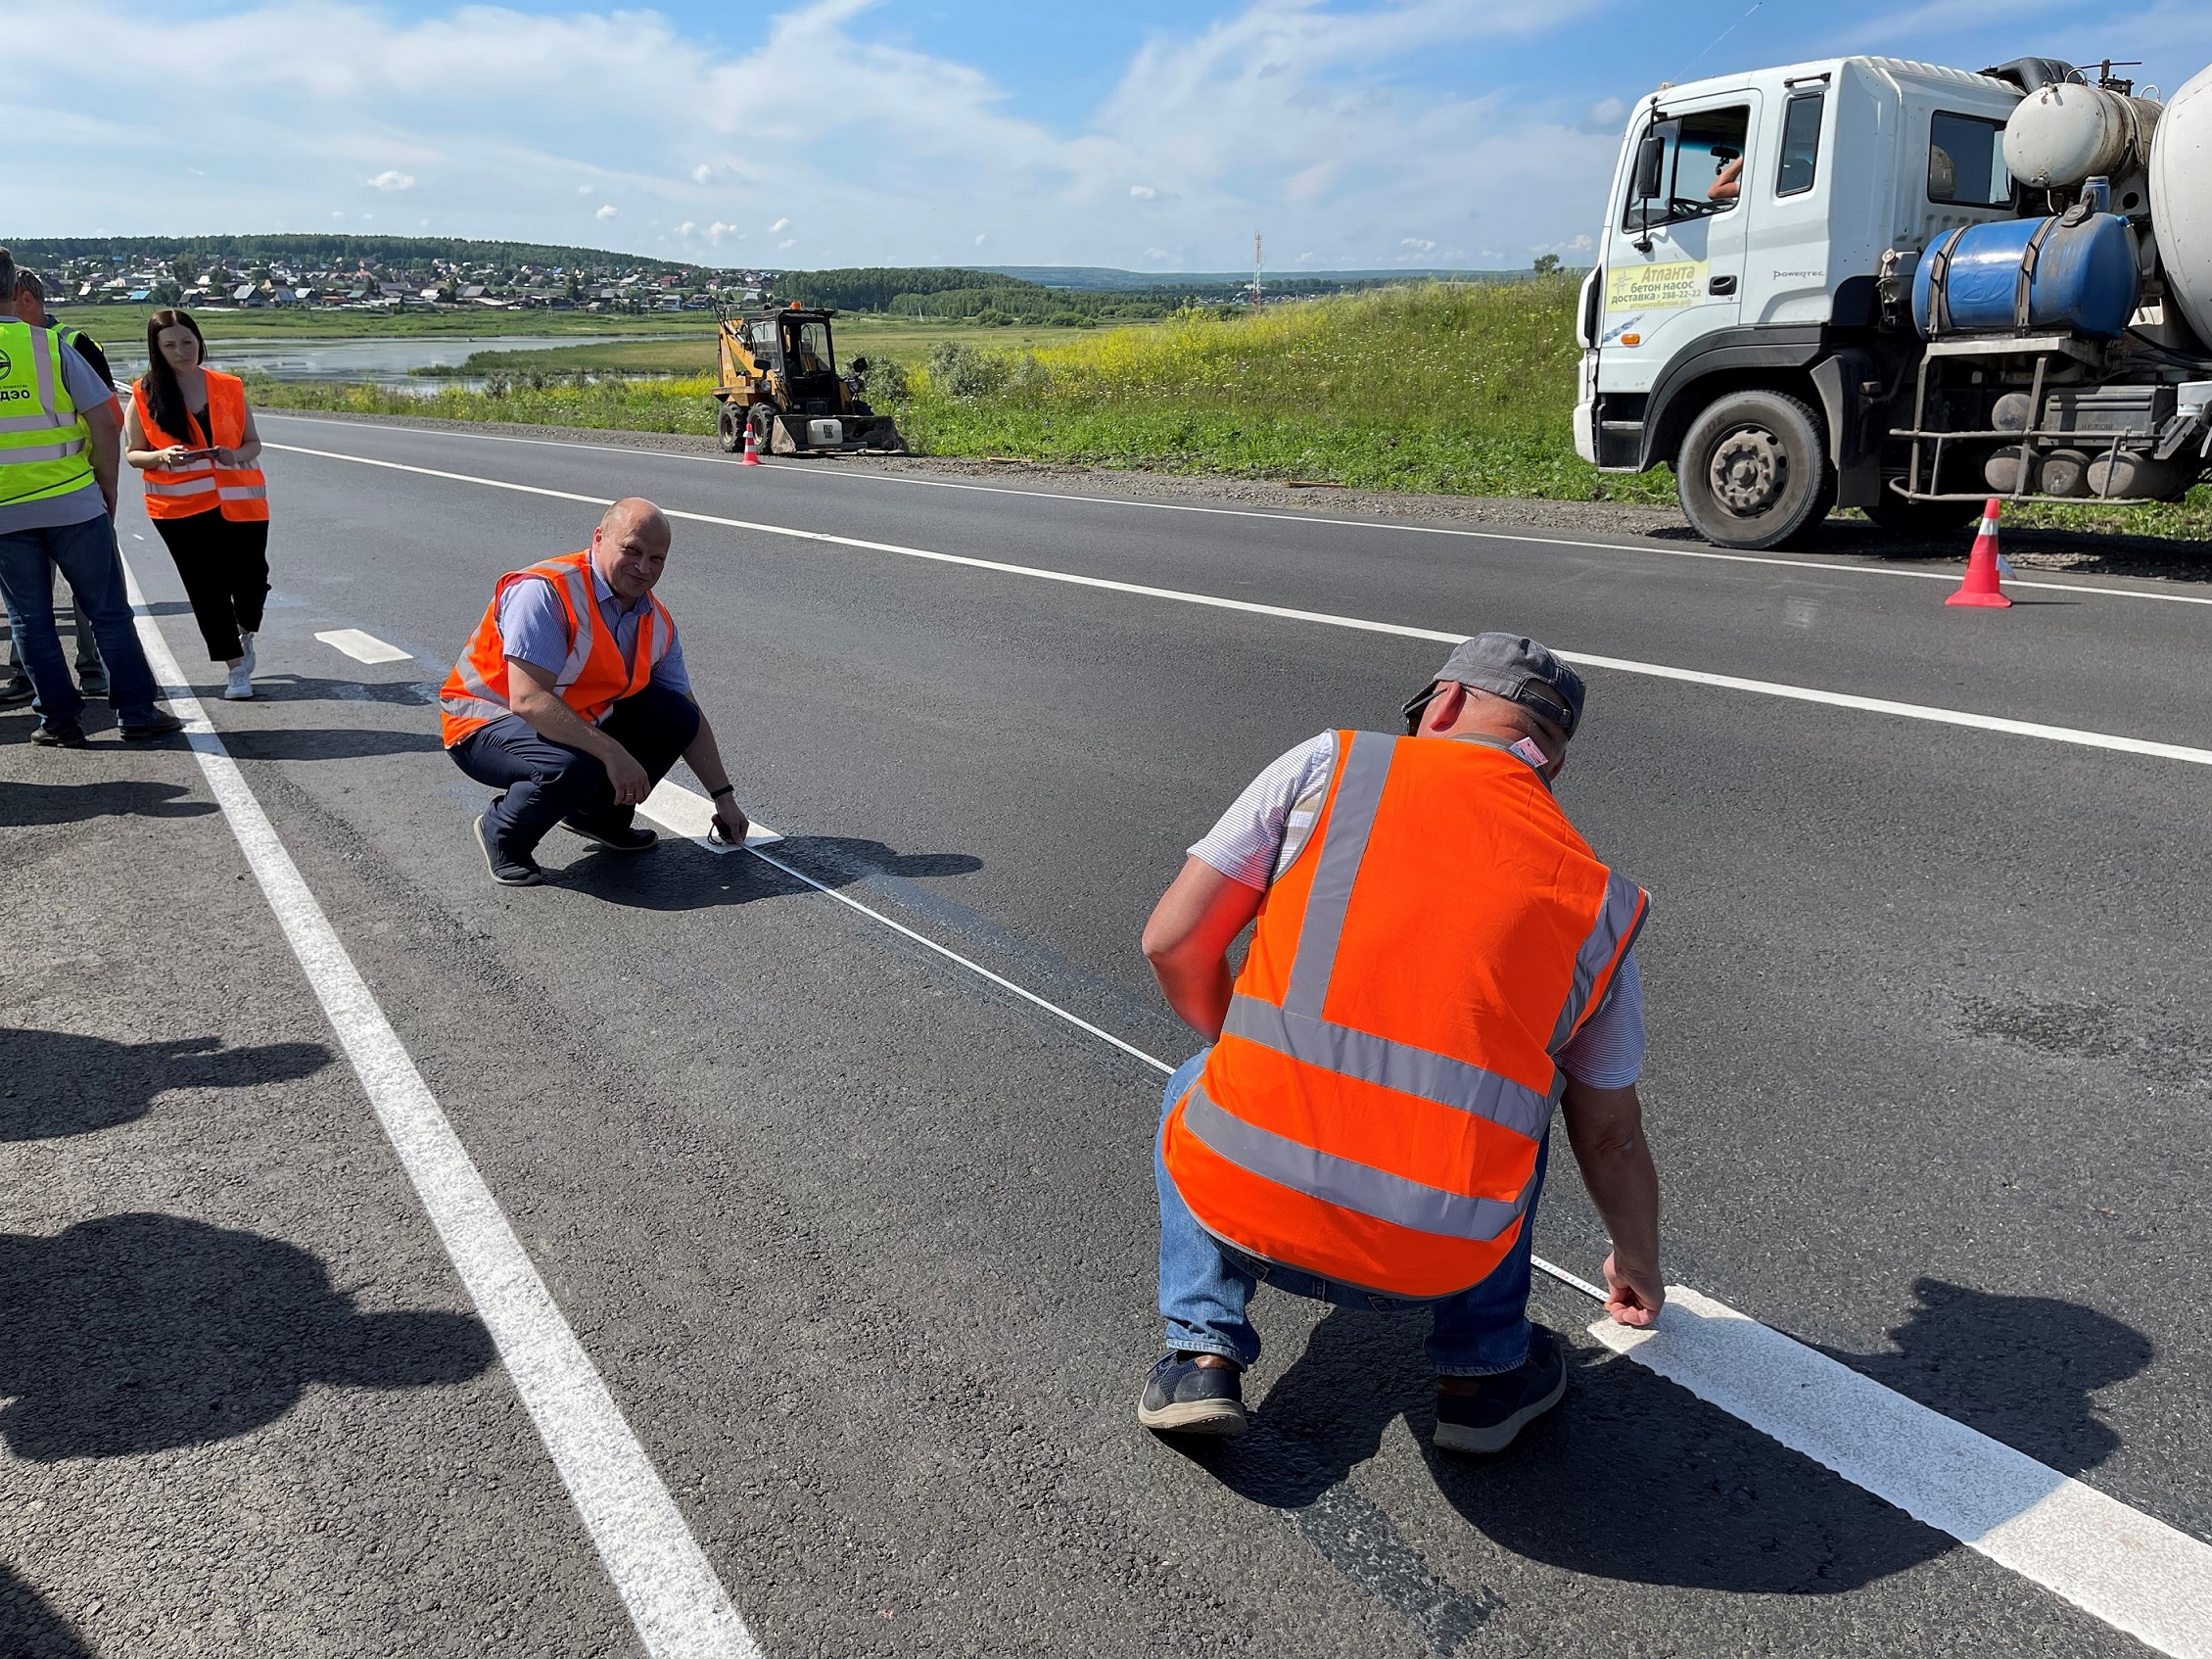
[{"x": 1904, "y": 288}]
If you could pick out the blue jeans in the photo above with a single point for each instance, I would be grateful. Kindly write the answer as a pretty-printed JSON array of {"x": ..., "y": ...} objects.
[
  {"x": 86, "y": 554},
  {"x": 1204, "y": 1285},
  {"x": 547, "y": 781}
]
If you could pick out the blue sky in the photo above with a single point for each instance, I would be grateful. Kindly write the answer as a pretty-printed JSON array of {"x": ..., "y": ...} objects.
[{"x": 819, "y": 132}]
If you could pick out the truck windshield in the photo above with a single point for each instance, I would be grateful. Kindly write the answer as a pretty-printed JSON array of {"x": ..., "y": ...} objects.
[
  {"x": 1699, "y": 171},
  {"x": 1966, "y": 161}
]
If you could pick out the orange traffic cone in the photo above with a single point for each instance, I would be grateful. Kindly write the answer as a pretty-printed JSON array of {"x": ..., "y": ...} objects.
[
  {"x": 1981, "y": 585},
  {"x": 752, "y": 446}
]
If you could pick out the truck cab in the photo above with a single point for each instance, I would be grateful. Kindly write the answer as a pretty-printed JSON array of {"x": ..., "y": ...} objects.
[{"x": 1748, "y": 321}]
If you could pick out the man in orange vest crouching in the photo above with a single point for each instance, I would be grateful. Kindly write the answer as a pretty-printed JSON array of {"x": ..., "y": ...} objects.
[
  {"x": 571, "y": 699},
  {"x": 1439, "y": 961}
]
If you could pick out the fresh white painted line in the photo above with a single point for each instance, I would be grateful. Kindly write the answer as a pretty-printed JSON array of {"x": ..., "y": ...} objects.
[
  {"x": 1708, "y": 553},
  {"x": 678, "y": 1605},
  {"x": 1621, "y": 665},
  {"x": 2135, "y": 1573},
  {"x": 691, "y": 814},
  {"x": 363, "y": 647}
]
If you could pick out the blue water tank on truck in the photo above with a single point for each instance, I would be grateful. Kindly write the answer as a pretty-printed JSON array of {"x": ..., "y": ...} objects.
[{"x": 1901, "y": 288}]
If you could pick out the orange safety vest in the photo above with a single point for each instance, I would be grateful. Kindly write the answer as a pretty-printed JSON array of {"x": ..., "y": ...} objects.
[
  {"x": 198, "y": 486},
  {"x": 592, "y": 678},
  {"x": 1374, "y": 1108}
]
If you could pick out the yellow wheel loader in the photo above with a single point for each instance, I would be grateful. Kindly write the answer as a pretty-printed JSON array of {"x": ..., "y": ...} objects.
[{"x": 780, "y": 380}]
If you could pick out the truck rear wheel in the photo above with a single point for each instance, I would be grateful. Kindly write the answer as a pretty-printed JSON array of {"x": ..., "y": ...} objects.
[
  {"x": 1753, "y": 471},
  {"x": 730, "y": 428}
]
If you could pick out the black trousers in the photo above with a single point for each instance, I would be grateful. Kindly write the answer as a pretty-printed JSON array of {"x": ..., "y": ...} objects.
[
  {"x": 225, "y": 566},
  {"x": 547, "y": 781}
]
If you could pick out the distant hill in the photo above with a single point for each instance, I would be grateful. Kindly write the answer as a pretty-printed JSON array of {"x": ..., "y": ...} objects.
[
  {"x": 323, "y": 250},
  {"x": 1104, "y": 278}
]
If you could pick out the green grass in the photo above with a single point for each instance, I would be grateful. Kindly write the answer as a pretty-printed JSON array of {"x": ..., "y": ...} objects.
[
  {"x": 874, "y": 338},
  {"x": 1461, "y": 389}
]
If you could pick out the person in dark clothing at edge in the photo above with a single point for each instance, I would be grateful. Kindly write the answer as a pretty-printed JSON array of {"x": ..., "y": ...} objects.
[
  {"x": 191, "y": 435},
  {"x": 91, "y": 676}
]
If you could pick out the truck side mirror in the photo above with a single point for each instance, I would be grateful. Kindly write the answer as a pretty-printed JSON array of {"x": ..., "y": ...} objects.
[
  {"x": 1651, "y": 157},
  {"x": 860, "y": 365}
]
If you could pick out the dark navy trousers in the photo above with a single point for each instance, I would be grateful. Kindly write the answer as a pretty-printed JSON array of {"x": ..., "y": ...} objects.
[{"x": 547, "y": 781}]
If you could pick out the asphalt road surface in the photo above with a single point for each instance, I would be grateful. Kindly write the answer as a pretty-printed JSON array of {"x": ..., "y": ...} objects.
[{"x": 861, "y": 1241}]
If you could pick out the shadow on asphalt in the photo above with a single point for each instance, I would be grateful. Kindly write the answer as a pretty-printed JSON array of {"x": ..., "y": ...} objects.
[
  {"x": 1633, "y": 1479},
  {"x": 59, "y": 1084},
  {"x": 325, "y": 742},
  {"x": 142, "y": 1333},
  {"x": 25, "y": 806},
  {"x": 29, "y": 1627},
  {"x": 659, "y": 881}
]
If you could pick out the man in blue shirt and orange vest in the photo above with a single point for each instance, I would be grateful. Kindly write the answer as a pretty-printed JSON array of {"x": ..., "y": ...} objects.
[
  {"x": 571, "y": 699},
  {"x": 1439, "y": 961}
]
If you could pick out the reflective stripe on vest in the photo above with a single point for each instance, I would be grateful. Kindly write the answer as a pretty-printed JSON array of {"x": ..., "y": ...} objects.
[
  {"x": 240, "y": 493},
  {"x": 43, "y": 435},
  {"x": 593, "y": 676},
  {"x": 1388, "y": 1069}
]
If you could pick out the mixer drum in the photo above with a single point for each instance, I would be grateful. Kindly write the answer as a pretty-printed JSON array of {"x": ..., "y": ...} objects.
[{"x": 2181, "y": 200}]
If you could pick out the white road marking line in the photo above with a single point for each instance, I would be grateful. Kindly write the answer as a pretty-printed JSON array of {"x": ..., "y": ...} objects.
[
  {"x": 1621, "y": 665},
  {"x": 1709, "y": 553},
  {"x": 2135, "y": 1573},
  {"x": 363, "y": 647},
  {"x": 2126, "y": 1568},
  {"x": 679, "y": 808},
  {"x": 678, "y": 1603}
]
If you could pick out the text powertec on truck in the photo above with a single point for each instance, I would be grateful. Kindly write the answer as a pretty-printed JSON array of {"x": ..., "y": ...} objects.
[{"x": 1920, "y": 287}]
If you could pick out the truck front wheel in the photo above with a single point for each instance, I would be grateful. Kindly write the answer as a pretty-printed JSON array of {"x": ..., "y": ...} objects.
[
  {"x": 730, "y": 428},
  {"x": 1753, "y": 471}
]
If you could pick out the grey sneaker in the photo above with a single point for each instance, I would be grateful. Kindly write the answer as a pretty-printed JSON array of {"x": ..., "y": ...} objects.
[
  {"x": 1488, "y": 1417},
  {"x": 92, "y": 680},
  {"x": 17, "y": 692},
  {"x": 622, "y": 838},
  {"x": 160, "y": 724},
  {"x": 1184, "y": 1398},
  {"x": 58, "y": 734}
]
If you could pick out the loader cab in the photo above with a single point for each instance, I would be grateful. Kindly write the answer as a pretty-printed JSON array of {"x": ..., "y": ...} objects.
[{"x": 807, "y": 359}]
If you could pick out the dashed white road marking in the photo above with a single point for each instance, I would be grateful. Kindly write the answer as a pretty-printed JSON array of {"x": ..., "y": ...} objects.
[
  {"x": 1711, "y": 555},
  {"x": 1622, "y": 664},
  {"x": 2128, "y": 1569},
  {"x": 363, "y": 647},
  {"x": 674, "y": 1599}
]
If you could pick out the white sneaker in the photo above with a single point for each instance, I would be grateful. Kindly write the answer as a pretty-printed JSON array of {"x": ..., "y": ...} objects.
[
  {"x": 245, "y": 661},
  {"x": 239, "y": 687}
]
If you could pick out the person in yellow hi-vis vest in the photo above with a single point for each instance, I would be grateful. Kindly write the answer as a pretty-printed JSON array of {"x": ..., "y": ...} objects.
[{"x": 60, "y": 447}]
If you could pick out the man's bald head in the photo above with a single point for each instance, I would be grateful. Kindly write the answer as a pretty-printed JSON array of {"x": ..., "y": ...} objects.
[{"x": 630, "y": 548}]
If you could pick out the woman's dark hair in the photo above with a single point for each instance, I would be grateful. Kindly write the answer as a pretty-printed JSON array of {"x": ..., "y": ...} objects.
[{"x": 165, "y": 399}]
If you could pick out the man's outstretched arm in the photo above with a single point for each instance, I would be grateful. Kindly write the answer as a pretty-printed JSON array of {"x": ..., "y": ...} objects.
[
  {"x": 704, "y": 758},
  {"x": 1186, "y": 941},
  {"x": 1606, "y": 1127}
]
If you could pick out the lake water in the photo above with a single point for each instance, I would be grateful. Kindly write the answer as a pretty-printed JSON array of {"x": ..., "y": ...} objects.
[{"x": 375, "y": 362}]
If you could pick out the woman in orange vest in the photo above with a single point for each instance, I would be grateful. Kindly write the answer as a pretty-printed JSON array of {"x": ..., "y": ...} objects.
[
  {"x": 1438, "y": 963},
  {"x": 189, "y": 431}
]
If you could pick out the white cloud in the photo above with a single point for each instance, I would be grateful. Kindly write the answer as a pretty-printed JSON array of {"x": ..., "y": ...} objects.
[
  {"x": 1294, "y": 113},
  {"x": 606, "y": 212},
  {"x": 979, "y": 241},
  {"x": 1417, "y": 244},
  {"x": 686, "y": 228},
  {"x": 391, "y": 178},
  {"x": 787, "y": 245},
  {"x": 718, "y": 230}
]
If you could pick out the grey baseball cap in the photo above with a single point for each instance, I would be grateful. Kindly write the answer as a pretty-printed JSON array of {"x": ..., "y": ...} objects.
[{"x": 1517, "y": 669}]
